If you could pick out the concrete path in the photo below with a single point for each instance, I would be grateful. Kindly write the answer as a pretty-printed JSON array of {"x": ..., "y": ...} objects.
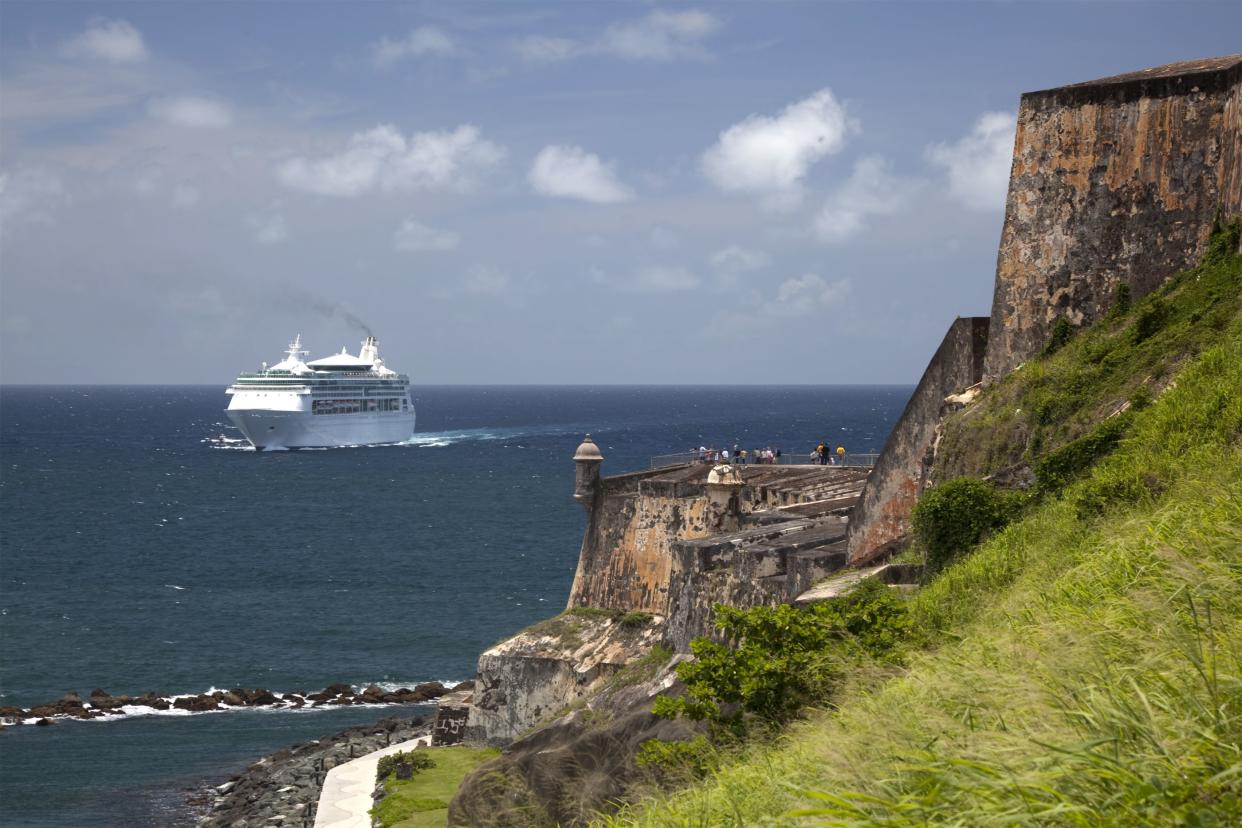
[{"x": 345, "y": 800}]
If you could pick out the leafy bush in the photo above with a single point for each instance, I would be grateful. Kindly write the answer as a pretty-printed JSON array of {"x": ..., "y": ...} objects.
[
  {"x": 779, "y": 659},
  {"x": 633, "y": 620},
  {"x": 1223, "y": 242},
  {"x": 954, "y": 516},
  {"x": 1141, "y": 398},
  {"x": 1062, "y": 332},
  {"x": 1151, "y": 319},
  {"x": 417, "y": 759},
  {"x": 679, "y": 761},
  {"x": 1122, "y": 301},
  {"x": 1060, "y": 467}
]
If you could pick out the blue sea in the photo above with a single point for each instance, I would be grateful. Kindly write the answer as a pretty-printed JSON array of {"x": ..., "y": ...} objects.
[{"x": 143, "y": 549}]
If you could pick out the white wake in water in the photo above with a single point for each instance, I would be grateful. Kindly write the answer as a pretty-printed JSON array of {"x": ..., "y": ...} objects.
[{"x": 427, "y": 439}]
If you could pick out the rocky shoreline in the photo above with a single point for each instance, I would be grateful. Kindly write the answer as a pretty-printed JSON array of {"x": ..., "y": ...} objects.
[
  {"x": 101, "y": 703},
  {"x": 283, "y": 788}
]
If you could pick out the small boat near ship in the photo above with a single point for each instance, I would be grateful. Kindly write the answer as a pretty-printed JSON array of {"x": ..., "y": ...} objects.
[{"x": 339, "y": 400}]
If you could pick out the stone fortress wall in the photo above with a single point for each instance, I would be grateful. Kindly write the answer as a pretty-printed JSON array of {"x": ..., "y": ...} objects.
[{"x": 1114, "y": 181}]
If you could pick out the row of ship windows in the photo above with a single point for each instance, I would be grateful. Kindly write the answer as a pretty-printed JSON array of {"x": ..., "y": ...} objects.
[{"x": 355, "y": 406}]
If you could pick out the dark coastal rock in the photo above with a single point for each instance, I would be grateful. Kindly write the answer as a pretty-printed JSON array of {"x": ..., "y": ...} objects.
[
  {"x": 428, "y": 690},
  {"x": 264, "y": 698},
  {"x": 568, "y": 771},
  {"x": 197, "y": 704},
  {"x": 43, "y": 722},
  {"x": 464, "y": 685},
  {"x": 103, "y": 703},
  {"x": 283, "y": 788}
]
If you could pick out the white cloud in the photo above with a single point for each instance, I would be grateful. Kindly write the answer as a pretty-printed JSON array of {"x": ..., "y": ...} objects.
[
  {"x": 425, "y": 40},
  {"x": 978, "y": 165},
  {"x": 661, "y": 279},
  {"x": 870, "y": 190},
  {"x": 770, "y": 155},
  {"x": 541, "y": 49},
  {"x": 29, "y": 194},
  {"x": 413, "y": 237},
  {"x": 735, "y": 259},
  {"x": 805, "y": 295},
  {"x": 382, "y": 159},
  {"x": 572, "y": 172},
  {"x": 483, "y": 280},
  {"x": 185, "y": 196},
  {"x": 802, "y": 296},
  {"x": 660, "y": 36},
  {"x": 115, "y": 41},
  {"x": 191, "y": 111},
  {"x": 269, "y": 229}
]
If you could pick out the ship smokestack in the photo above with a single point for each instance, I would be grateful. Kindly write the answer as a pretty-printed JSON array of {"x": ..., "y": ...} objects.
[{"x": 370, "y": 350}]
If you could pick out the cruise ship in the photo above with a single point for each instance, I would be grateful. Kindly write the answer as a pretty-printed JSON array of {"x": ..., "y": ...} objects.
[{"x": 340, "y": 400}]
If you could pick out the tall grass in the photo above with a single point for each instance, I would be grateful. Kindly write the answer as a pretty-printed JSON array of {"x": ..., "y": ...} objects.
[{"x": 1088, "y": 669}]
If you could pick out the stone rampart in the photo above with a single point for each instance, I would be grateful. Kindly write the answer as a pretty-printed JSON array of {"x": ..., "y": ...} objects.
[
  {"x": 1115, "y": 181},
  {"x": 625, "y": 556},
  {"x": 882, "y": 516}
]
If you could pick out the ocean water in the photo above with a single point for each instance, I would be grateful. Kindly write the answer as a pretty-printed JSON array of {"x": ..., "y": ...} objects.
[{"x": 143, "y": 549}]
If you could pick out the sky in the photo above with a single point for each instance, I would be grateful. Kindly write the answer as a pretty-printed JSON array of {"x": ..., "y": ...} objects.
[{"x": 584, "y": 193}]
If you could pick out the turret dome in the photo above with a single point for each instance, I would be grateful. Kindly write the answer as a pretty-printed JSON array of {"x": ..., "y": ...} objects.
[{"x": 588, "y": 451}]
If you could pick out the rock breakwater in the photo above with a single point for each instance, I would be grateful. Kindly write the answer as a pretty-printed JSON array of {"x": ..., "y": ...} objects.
[
  {"x": 283, "y": 788},
  {"x": 100, "y": 703}
]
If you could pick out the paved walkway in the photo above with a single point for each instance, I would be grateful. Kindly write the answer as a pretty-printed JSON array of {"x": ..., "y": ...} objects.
[{"x": 345, "y": 801}]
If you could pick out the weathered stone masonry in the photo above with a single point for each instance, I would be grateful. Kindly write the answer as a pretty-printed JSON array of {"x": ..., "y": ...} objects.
[
  {"x": 882, "y": 516},
  {"x": 1113, "y": 181}
]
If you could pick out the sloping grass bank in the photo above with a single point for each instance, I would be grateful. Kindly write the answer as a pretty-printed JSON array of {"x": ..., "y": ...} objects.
[
  {"x": 422, "y": 802},
  {"x": 1088, "y": 660}
]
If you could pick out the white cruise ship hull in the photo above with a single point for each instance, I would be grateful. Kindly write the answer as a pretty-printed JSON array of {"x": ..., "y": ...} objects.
[{"x": 272, "y": 429}]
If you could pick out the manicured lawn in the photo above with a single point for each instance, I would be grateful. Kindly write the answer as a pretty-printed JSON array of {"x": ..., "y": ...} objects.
[{"x": 422, "y": 802}]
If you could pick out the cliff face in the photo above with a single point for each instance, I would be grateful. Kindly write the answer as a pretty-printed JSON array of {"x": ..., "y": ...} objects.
[{"x": 1114, "y": 182}]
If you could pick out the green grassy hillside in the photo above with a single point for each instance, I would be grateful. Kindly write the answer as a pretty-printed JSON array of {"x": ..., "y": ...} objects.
[{"x": 1085, "y": 664}]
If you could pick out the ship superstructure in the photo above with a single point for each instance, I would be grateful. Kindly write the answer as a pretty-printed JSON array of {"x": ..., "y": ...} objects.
[{"x": 340, "y": 400}]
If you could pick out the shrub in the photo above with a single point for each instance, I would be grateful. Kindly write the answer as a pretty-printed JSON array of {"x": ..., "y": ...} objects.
[
  {"x": 1060, "y": 467},
  {"x": 417, "y": 759},
  {"x": 1223, "y": 242},
  {"x": 1122, "y": 300},
  {"x": 954, "y": 516},
  {"x": 677, "y": 762},
  {"x": 1150, "y": 320},
  {"x": 779, "y": 659},
  {"x": 1062, "y": 332},
  {"x": 633, "y": 620}
]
